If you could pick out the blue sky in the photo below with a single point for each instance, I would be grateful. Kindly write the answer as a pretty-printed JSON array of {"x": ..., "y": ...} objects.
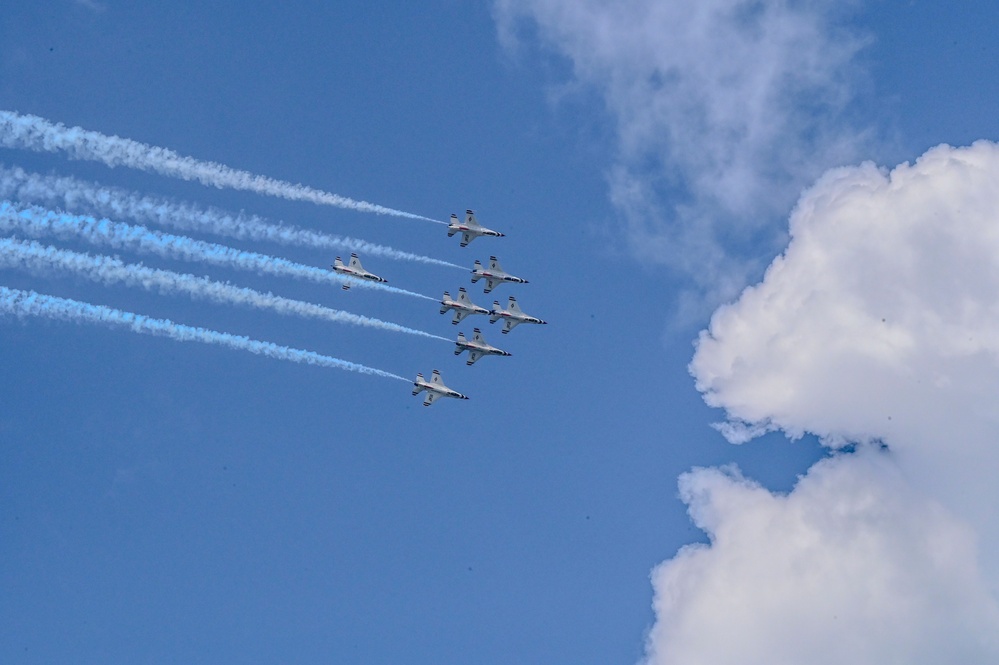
[{"x": 167, "y": 502}]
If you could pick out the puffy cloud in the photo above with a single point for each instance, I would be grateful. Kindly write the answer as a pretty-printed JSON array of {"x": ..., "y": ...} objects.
[
  {"x": 879, "y": 323},
  {"x": 853, "y": 566},
  {"x": 723, "y": 110}
]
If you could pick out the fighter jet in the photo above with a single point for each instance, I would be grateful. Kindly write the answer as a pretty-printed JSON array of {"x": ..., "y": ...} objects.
[
  {"x": 493, "y": 275},
  {"x": 435, "y": 388},
  {"x": 476, "y": 348},
  {"x": 354, "y": 269},
  {"x": 512, "y": 315},
  {"x": 470, "y": 230},
  {"x": 462, "y": 307}
]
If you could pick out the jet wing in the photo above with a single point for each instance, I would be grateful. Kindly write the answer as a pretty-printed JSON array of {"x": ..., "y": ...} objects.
[
  {"x": 513, "y": 306},
  {"x": 494, "y": 265},
  {"x": 463, "y": 298},
  {"x": 473, "y": 355},
  {"x": 466, "y": 238},
  {"x": 459, "y": 314},
  {"x": 430, "y": 398},
  {"x": 436, "y": 378},
  {"x": 355, "y": 262},
  {"x": 490, "y": 284},
  {"x": 477, "y": 337},
  {"x": 470, "y": 218},
  {"x": 509, "y": 324}
]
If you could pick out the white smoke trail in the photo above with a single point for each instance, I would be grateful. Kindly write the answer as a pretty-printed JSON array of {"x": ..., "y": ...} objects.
[
  {"x": 31, "y": 132},
  {"x": 38, "y": 258},
  {"x": 37, "y": 222},
  {"x": 30, "y": 303},
  {"x": 76, "y": 195}
]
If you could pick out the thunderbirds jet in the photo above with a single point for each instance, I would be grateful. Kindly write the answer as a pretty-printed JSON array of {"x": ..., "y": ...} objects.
[
  {"x": 462, "y": 307},
  {"x": 512, "y": 315},
  {"x": 493, "y": 275},
  {"x": 476, "y": 348},
  {"x": 354, "y": 269},
  {"x": 435, "y": 388},
  {"x": 470, "y": 230}
]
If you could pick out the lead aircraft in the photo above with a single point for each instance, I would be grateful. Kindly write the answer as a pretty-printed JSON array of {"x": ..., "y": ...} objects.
[
  {"x": 476, "y": 347},
  {"x": 512, "y": 316},
  {"x": 354, "y": 269},
  {"x": 462, "y": 307},
  {"x": 493, "y": 275},
  {"x": 435, "y": 388},
  {"x": 470, "y": 230}
]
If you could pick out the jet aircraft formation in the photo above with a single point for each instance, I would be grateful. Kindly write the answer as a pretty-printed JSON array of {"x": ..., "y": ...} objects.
[
  {"x": 462, "y": 306},
  {"x": 85, "y": 212}
]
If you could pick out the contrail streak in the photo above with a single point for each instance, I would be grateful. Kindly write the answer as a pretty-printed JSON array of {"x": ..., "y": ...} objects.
[
  {"x": 78, "y": 196},
  {"x": 30, "y": 303},
  {"x": 38, "y": 258},
  {"x": 36, "y": 222},
  {"x": 31, "y": 132}
]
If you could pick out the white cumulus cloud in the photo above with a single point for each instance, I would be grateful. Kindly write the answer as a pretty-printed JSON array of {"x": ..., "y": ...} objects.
[
  {"x": 880, "y": 324},
  {"x": 853, "y": 566}
]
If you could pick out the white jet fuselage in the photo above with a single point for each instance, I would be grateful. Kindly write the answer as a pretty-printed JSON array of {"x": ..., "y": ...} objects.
[
  {"x": 511, "y": 316},
  {"x": 476, "y": 347},
  {"x": 493, "y": 274},
  {"x": 462, "y": 306},
  {"x": 435, "y": 388},
  {"x": 470, "y": 229},
  {"x": 356, "y": 270}
]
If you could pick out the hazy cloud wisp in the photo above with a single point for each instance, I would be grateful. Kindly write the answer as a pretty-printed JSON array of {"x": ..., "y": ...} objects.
[{"x": 723, "y": 110}]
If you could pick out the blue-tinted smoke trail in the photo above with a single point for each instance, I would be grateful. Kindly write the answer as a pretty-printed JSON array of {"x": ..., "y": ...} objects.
[
  {"x": 30, "y": 303},
  {"x": 37, "y": 222},
  {"x": 75, "y": 195},
  {"x": 33, "y": 133},
  {"x": 38, "y": 258}
]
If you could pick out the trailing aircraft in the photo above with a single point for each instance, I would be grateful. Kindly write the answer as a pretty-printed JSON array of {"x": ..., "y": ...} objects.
[
  {"x": 476, "y": 347},
  {"x": 470, "y": 230},
  {"x": 493, "y": 275},
  {"x": 435, "y": 388},
  {"x": 512, "y": 316},
  {"x": 354, "y": 269},
  {"x": 462, "y": 307}
]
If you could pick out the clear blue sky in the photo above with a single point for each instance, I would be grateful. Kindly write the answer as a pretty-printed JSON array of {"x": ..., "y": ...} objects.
[{"x": 166, "y": 502}]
